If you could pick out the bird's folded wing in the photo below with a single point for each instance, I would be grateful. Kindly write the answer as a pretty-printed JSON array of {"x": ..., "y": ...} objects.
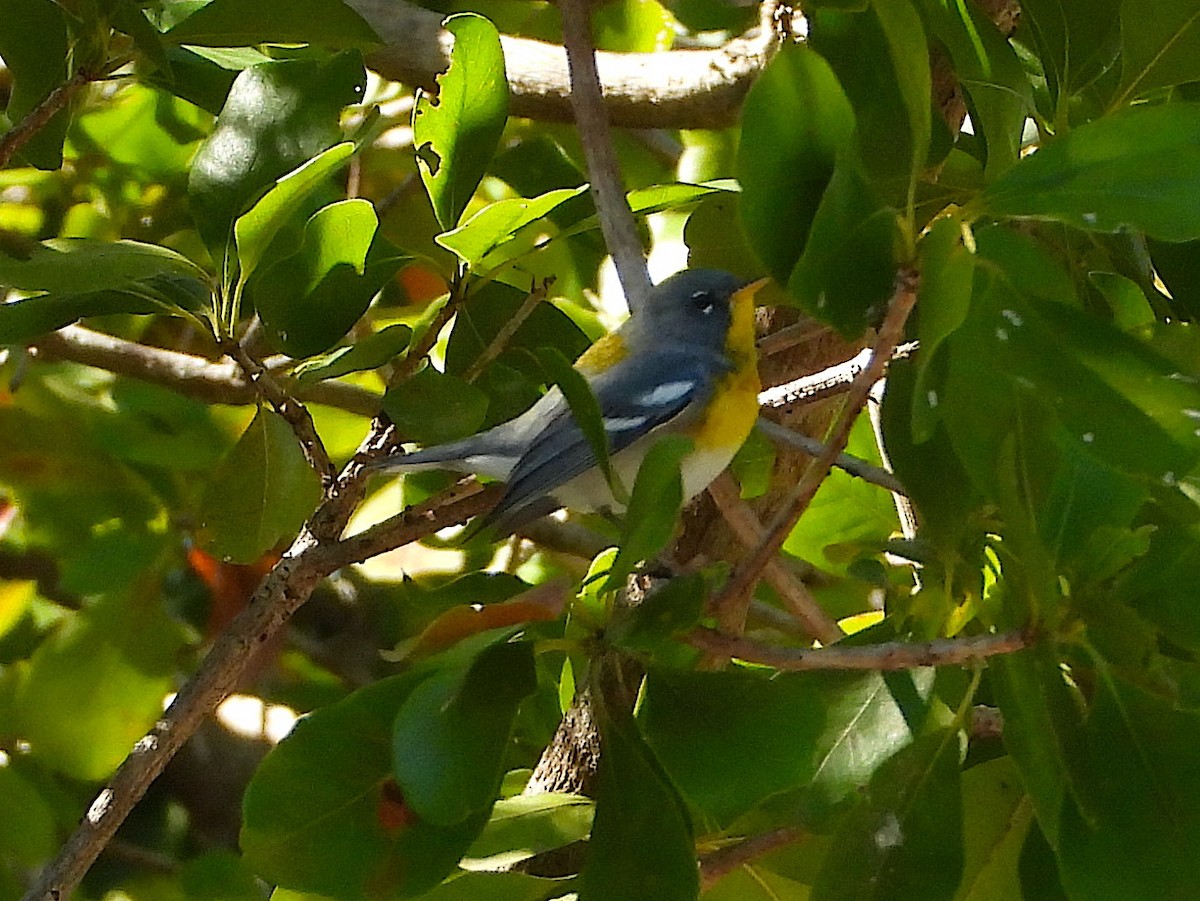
[{"x": 633, "y": 402}]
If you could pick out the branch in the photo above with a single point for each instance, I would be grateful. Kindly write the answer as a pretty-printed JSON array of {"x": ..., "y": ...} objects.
[
  {"x": 295, "y": 414},
  {"x": 310, "y": 559},
  {"x": 741, "y": 583},
  {"x": 794, "y": 593},
  {"x": 37, "y": 118},
  {"x": 604, "y": 176},
  {"x": 724, "y": 861},
  {"x": 828, "y": 382},
  {"x": 673, "y": 89},
  {"x": 856, "y": 466},
  {"x": 186, "y": 374},
  {"x": 891, "y": 655}
]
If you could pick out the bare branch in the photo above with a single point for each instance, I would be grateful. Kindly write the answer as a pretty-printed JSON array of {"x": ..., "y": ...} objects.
[
  {"x": 186, "y": 374},
  {"x": 826, "y": 383},
  {"x": 725, "y": 860},
  {"x": 794, "y": 593},
  {"x": 591, "y": 120},
  {"x": 856, "y": 466},
  {"x": 892, "y": 655},
  {"x": 37, "y": 119},
  {"x": 741, "y": 583},
  {"x": 674, "y": 89},
  {"x": 294, "y": 413}
]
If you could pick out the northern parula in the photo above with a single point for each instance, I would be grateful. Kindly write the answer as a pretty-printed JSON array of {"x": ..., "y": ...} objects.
[{"x": 684, "y": 363}]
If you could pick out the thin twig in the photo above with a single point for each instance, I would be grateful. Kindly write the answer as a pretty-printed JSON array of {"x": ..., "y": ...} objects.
[
  {"x": 38, "y": 117},
  {"x": 294, "y": 413},
  {"x": 507, "y": 330},
  {"x": 795, "y": 594},
  {"x": 591, "y": 119},
  {"x": 187, "y": 374},
  {"x": 741, "y": 582},
  {"x": 826, "y": 383},
  {"x": 891, "y": 655},
  {"x": 722, "y": 862},
  {"x": 856, "y": 466},
  {"x": 309, "y": 560}
]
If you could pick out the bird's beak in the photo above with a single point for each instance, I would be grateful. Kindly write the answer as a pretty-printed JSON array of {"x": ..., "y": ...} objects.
[{"x": 751, "y": 288}]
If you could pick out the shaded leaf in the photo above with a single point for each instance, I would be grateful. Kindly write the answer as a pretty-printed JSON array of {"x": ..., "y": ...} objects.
[
  {"x": 1076, "y": 42},
  {"x": 277, "y": 116},
  {"x": 1158, "y": 50},
  {"x": 349, "y": 834},
  {"x": 1143, "y": 833},
  {"x": 641, "y": 845},
  {"x": 905, "y": 840},
  {"x": 1138, "y": 169},
  {"x": 369, "y": 352},
  {"x": 796, "y": 122},
  {"x": 34, "y": 46},
  {"x": 451, "y": 733},
  {"x": 260, "y": 494},
  {"x": 432, "y": 407},
  {"x": 313, "y": 298},
  {"x": 525, "y": 825},
  {"x": 230, "y": 23}
]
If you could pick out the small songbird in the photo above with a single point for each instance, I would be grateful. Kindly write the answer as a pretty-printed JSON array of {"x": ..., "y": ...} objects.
[{"x": 683, "y": 364}]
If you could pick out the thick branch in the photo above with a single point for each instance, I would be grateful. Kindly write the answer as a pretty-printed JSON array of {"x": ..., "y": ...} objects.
[
  {"x": 674, "y": 89},
  {"x": 189, "y": 375},
  {"x": 892, "y": 655}
]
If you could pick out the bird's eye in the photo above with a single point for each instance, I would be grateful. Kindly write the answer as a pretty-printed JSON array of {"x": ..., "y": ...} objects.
[{"x": 703, "y": 301}]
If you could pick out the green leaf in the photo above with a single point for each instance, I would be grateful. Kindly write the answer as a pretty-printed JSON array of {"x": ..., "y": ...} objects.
[
  {"x": 996, "y": 819},
  {"x": 312, "y": 299},
  {"x": 77, "y": 277},
  {"x": 82, "y": 678},
  {"x": 1160, "y": 586},
  {"x": 796, "y": 122},
  {"x": 822, "y": 733},
  {"x": 1042, "y": 727},
  {"x": 369, "y": 352},
  {"x": 1142, "y": 837},
  {"x": 34, "y": 46},
  {"x": 905, "y": 840},
  {"x": 1178, "y": 265},
  {"x": 432, "y": 407},
  {"x": 653, "y": 511},
  {"x": 497, "y": 223},
  {"x": 641, "y": 845},
  {"x": 1158, "y": 50},
  {"x": 456, "y": 132},
  {"x": 230, "y": 23},
  {"x": 525, "y": 825},
  {"x": 31, "y": 838},
  {"x": 997, "y": 90},
  {"x": 260, "y": 494},
  {"x": 451, "y": 734},
  {"x": 673, "y": 608},
  {"x": 633, "y": 26},
  {"x": 846, "y": 274},
  {"x": 891, "y": 98},
  {"x": 277, "y": 116},
  {"x": 347, "y": 833},
  {"x": 947, "y": 271},
  {"x": 257, "y": 228},
  {"x": 1138, "y": 169},
  {"x": 1076, "y": 42}
]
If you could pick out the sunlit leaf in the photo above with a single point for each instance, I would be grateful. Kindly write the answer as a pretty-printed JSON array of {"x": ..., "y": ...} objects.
[{"x": 455, "y": 131}]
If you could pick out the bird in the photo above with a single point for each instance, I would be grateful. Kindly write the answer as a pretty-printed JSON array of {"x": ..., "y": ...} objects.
[{"x": 683, "y": 363}]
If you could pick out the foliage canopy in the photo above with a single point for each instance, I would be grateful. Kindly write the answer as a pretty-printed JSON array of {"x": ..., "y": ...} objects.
[{"x": 245, "y": 217}]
